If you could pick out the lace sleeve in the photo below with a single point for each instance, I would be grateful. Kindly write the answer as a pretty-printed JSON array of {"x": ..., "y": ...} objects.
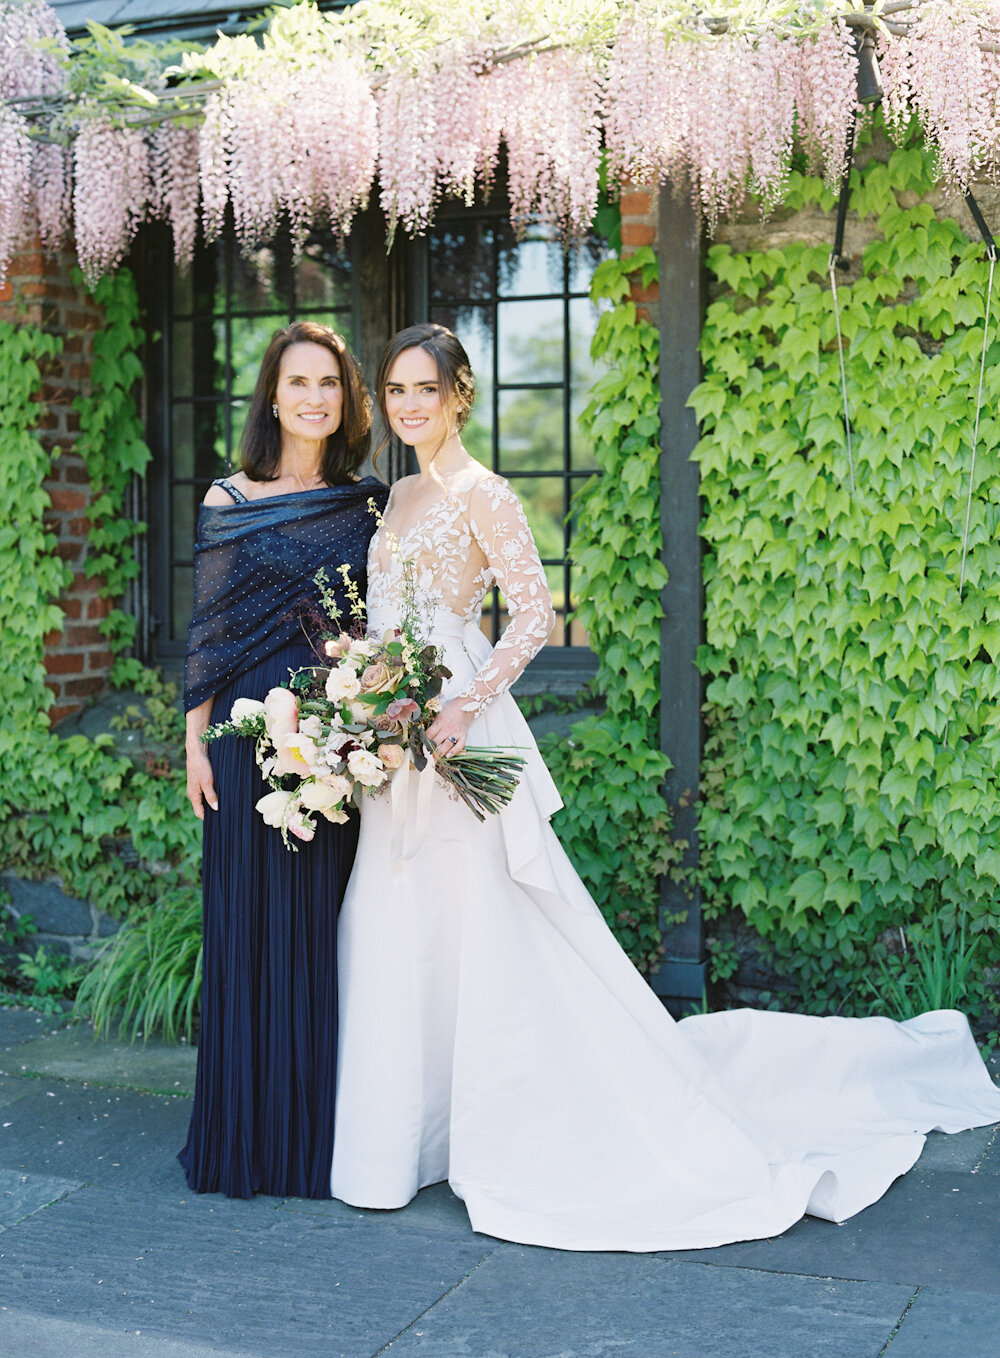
[{"x": 499, "y": 526}]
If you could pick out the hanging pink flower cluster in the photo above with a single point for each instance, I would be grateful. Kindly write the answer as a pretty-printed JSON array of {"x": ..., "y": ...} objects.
[
  {"x": 31, "y": 43},
  {"x": 110, "y": 193},
  {"x": 442, "y": 121},
  {"x": 552, "y": 131},
  {"x": 289, "y": 141},
  {"x": 941, "y": 72},
  {"x": 826, "y": 96},
  {"x": 33, "y": 173},
  {"x": 719, "y": 112},
  {"x": 173, "y": 187},
  {"x": 15, "y": 179}
]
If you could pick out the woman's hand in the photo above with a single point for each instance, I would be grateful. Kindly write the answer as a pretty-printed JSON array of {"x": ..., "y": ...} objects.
[
  {"x": 449, "y": 729},
  {"x": 200, "y": 782}
]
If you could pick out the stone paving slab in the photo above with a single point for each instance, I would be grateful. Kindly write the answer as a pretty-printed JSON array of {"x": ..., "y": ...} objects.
[
  {"x": 36, "y": 1336},
  {"x": 74, "y": 1054},
  {"x": 961, "y": 1151},
  {"x": 943, "y": 1324},
  {"x": 550, "y": 1304},
  {"x": 433, "y": 1209},
  {"x": 930, "y": 1228},
  {"x": 21, "y": 1025},
  {"x": 23, "y": 1194},
  {"x": 990, "y": 1163},
  {"x": 12, "y": 1090},
  {"x": 108, "y": 1136},
  {"x": 284, "y": 1285}
]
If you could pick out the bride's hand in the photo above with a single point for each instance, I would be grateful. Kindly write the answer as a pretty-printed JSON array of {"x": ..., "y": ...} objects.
[{"x": 449, "y": 729}]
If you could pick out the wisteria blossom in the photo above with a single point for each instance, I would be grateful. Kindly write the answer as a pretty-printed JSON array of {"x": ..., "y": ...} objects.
[
  {"x": 953, "y": 88},
  {"x": 552, "y": 131},
  {"x": 826, "y": 96},
  {"x": 692, "y": 112},
  {"x": 110, "y": 194},
  {"x": 295, "y": 130},
  {"x": 52, "y": 193},
  {"x": 32, "y": 41},
  {"x": 15, "y": 176},
  {"x": 173, "y": 188}
]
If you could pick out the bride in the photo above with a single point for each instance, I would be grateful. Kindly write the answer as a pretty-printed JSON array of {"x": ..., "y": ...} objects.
[{"x": 493, "y": 1033}]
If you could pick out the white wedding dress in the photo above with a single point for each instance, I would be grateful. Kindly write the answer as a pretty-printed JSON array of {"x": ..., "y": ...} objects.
[{"x": 494, "y": 1034}]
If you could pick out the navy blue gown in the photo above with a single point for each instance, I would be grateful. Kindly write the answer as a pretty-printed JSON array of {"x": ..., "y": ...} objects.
[{"x": 262, "y": 1120}]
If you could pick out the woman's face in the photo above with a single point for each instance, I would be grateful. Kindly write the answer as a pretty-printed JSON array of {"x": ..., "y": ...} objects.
[
  {"x": 310, "y": 392},
  {"x": 413, "y": 402}
]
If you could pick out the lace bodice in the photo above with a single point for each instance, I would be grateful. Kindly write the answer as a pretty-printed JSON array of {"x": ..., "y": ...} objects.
[{"x": 475, "y": 536}]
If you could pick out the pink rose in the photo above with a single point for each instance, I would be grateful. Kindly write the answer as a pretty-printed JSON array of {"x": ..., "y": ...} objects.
[{"x": 392, "y": 756}]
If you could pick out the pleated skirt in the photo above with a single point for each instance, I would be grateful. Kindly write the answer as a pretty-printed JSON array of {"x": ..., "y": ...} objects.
[{"x": 262, "y": 1120}]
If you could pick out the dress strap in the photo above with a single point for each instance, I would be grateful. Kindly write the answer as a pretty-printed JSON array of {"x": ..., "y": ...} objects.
[{"x": 232, "y": 490}]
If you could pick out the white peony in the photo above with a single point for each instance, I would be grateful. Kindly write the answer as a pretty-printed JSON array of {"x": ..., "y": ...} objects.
[
  {"x": 363, "y": 648},
  {"x": 275, "y": 806},
  {"x": 366, "y": 768},
  {"x": 246, "y": 709},
  {"x": 322, "y": 794},
  {"x": 343, "y": 684}
]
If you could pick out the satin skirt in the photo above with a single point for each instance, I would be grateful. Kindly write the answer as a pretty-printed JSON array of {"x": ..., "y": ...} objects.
[
  {"x": 263, "y": 1109},
  {"x": 494, "y": 1034}
]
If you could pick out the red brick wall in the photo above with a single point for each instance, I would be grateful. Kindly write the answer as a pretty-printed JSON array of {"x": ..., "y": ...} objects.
[
  {"x": 640, "y": 227},
  {"x": 40, "y": 291}
]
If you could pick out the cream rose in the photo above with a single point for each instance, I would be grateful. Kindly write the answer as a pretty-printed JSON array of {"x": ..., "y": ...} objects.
[
  {"x": 334, "y": 816},
  {"x": 366, "y": 768},
  {"x": 342, "y": 684}
]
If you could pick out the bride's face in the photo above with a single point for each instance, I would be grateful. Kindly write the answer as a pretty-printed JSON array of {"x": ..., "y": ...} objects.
[{"x": 414, "y": 405}]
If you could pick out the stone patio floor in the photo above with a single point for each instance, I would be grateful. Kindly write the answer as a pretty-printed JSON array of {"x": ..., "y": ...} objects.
[{"x": 105, "y": 1253}]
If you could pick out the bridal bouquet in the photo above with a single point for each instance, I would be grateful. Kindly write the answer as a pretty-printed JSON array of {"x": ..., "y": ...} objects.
[{"x": 340, "y": 729}]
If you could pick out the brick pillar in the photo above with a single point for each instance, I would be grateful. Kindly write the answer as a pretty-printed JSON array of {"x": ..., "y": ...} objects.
[
  {"x": 40, "y": 292},
  {"x": 640, "y": 226}
]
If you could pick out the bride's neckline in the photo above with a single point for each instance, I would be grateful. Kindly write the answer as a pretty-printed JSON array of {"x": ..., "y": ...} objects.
[{"x": 452, "y": 496}]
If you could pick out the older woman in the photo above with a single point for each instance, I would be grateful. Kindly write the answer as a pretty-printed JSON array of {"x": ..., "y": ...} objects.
[{"x": 263, "y": 1110}]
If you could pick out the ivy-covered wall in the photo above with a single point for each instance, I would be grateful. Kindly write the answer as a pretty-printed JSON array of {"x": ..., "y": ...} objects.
[
  {"x": 113, "y": 830},
  {"x": 851, "y": 788}
]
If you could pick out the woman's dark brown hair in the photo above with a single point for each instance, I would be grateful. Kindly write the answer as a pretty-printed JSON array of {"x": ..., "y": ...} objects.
[
  {"x": 454, "y": 370},
  {"x": 347, "y": 446}
]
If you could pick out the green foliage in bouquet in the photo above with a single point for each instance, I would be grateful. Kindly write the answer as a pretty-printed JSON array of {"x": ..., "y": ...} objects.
[
  {"x": 616, "y": 825},
  {"x": 851, "y": 782}
]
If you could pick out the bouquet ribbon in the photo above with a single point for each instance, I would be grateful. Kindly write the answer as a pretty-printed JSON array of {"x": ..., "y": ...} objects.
[{"x": 409, "y": 826}]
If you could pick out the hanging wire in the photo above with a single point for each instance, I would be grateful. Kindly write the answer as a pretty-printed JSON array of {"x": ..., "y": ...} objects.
[
  {"x": 992, "y": 253},
  {"x": 836, "y": 258},
  {"x": 843, "y": 374}
]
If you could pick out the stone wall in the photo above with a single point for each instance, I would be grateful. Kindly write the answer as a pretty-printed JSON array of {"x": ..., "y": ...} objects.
[
  {"x": 40, "y": 291},
  {"x": 63, "y": 923}
]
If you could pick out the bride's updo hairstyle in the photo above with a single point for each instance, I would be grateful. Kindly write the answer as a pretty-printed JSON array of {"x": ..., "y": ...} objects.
[
  {"x": 346, "y": 448},
  {"x": 455, "y": 380}
]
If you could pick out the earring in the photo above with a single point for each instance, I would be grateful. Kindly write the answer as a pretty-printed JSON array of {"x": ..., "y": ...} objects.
[{"x": 274, "y": 409}]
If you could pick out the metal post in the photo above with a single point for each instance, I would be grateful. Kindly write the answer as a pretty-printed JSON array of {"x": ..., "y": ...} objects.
[{"x": 681, "y": 977}]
